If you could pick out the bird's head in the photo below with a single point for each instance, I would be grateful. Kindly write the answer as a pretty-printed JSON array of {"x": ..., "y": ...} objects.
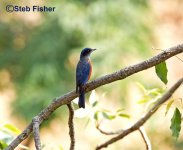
[{"x": 85, "y": 53}]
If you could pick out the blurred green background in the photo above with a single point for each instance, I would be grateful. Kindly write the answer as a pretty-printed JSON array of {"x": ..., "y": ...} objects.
[
  {"x": 39, "y": 53},
  {"x": 41, "y": 59}
]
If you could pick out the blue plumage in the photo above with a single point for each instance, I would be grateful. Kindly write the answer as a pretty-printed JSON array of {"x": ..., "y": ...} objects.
[{"x": 83, "y": 72}]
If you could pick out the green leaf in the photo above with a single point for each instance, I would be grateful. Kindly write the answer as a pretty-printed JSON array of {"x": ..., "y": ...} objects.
[
  {"x": 168, "y": 106},
  {"x": 141, "y": 87},
  {"x": 176, "y": 123},
  {"x": 12, "y": 128},
  {"x": 3, "y": 145},
  {"x": 161, "y": 71},
  {"x": 141, "y": 101},
  {"x": 155, "y": 91},
  {"x": 96, "y": 115},
  {"x": 95, "y": 103},
  {"x": 108, "y": 116},
  {"x": 124, "y": 115}
]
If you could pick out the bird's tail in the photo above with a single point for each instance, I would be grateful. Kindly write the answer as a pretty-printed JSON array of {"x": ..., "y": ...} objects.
[{"x": 81, "y": 102}]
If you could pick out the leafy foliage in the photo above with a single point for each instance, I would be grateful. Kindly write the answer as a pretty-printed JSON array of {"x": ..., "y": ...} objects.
[
  {"x": 149, "y": 96},
  {"x": 3, "y": 145},
  {"x": 106, "y": 114},
  {"x": 11, "y": 128},
  {"x": 176, "y": 123},
  {"x": 7, "y": 134},
  {"x": 161, "y": 71},
  {"x": 168, "y": 106},
  {"x": 96, "y": 113}
]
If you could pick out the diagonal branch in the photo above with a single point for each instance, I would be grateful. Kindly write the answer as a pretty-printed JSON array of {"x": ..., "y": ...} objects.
[
  {"x": 140, "y": 122},
  {"x": 118, "y": 75},
  {"x": 71, "y": 125}
]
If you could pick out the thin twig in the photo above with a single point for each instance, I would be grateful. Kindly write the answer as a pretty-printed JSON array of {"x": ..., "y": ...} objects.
[
  {"x": 71, "y": 126},
  {"x": 179, "y": 58},
  {"x": 118, "y": 75},
  {"x": 145, "y": 138},
  {"x": 164, "y": 51},
  {"x": 141, "y": 121},
  {"x": 37, "y": 140},
  {"x": 107, "y": 132}
]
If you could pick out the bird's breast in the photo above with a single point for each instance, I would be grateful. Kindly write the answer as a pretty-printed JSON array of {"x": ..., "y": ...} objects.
[{"x": 90, "y": 72}]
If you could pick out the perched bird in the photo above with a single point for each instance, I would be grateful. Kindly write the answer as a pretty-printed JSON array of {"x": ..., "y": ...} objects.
[{"x": 83, "y": 73}]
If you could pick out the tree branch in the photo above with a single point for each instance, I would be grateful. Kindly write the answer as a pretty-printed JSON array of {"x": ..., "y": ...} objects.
[
  {"x": 119, "y": 75},
  {"x": 107, "y": 132},
  {"x": 71, "y": 125},
  {"x": 140, "y": 122},
  {"x": 145, "y": 138},
  {"x": 37, "y": 140}
]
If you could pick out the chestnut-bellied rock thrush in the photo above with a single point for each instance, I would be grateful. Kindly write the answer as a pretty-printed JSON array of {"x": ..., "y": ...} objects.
[{"x": 83, "y": 73}]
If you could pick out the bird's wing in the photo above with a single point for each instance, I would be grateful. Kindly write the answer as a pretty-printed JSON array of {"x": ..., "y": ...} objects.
[{"x": 82, "y": 72}]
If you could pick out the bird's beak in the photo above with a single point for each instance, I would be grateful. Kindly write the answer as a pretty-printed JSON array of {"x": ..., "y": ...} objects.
[{"x": 94, "y": 49}]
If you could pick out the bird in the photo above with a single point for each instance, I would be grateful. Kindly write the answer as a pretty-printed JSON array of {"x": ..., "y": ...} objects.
[{"x": 83, "y": 73}]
